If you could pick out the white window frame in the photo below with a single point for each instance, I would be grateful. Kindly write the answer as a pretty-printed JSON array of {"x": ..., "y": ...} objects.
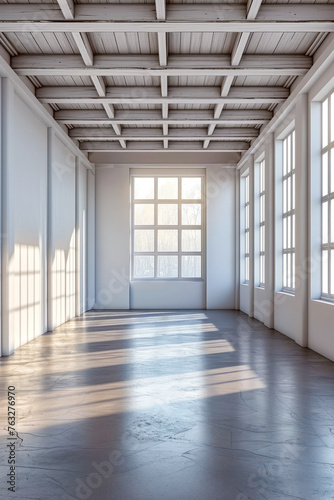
[
  {"x": 246, "y": 208},
  {"x": 262, "y": 222},
  {"x": 327, "y": 150},
  {"x": 288, "y": 212},
  {"x": 179, "y": 201}
]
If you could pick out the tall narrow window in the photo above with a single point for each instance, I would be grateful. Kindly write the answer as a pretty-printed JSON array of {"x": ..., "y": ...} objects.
[
  {"x": 327, "y": 286},
  {"x": 289, "y": 213},
  {"x": 262, "y": 223},
  {"x": 167, "y": 227},
  {"x": 246, "y": 183}
]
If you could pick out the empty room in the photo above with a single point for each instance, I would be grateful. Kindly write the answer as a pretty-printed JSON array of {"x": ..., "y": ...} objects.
[{"x": 167, "y": 250}]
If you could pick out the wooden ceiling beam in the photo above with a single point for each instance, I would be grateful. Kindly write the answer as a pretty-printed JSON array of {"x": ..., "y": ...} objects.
[
  {"x": 273, "y": 26},
  {"x": 145, "y": 146},
  {"x": 146, "y": 13},
  {"x": 178, "y": 134}
]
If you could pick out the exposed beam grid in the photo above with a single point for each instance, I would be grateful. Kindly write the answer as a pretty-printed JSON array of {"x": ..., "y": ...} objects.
[
  {"x": 253, "y": 7},
  {"x": 160, "y": 7},
  {"x": 86, "y": 52}
]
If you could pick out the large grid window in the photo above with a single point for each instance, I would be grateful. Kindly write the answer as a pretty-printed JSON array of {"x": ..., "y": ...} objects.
[
  {"x": 167, "y": 227},
  {"x": 289, "y": 205},
  {"x": 327, "y": 286},
  {"x": 262, "y": 223},
  {"x": 246, "y": 248}
]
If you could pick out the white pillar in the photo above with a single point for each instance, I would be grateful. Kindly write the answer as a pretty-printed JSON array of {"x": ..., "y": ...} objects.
[
  {"x": 77, "y": 237},
  {"x": 270, "y": 230},
  {"x": 251, "y": 237},
  {"x": 50, "y": 245},
  {"x": 301, "y": 231},
  {"x": 237, "y": 241},
  {"x": 7, "y": 122}
]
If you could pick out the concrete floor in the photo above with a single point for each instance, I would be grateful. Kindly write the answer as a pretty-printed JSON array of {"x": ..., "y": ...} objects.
[{"x": 199, "y": 405}]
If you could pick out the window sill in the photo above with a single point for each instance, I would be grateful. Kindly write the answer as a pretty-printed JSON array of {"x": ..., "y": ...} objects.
[
  {"x": 324, "y": 301},
  {"x": 166, "y": 280},
  {"x": 286, "y": 292}
]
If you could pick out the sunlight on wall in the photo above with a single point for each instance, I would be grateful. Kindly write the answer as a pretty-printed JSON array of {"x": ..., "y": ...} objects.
[
  {"x": 58, "y": 288},
  {"x": 25, "y": 284},
  {"x": 70, "y": 279},
  {"x": 63, "y": 284}
]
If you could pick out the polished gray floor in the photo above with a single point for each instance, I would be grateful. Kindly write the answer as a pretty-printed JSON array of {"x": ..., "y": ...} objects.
[{"x": 173, "y": 405}]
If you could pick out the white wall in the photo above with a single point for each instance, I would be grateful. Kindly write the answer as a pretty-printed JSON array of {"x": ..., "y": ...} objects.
[
  {"x": 112, "y": 237},
  {"x": 90, "y": 239},
  {"x": 220, "y": 233},
  {"x": 64, "y": 235},
  {"x": 39, "y": 265},
  {"x": 113, "y": 288},
  {"x": 27, "y": 210}
]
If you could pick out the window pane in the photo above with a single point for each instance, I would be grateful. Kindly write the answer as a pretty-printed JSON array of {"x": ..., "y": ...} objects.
[
  {"x": 332, "y": 117},
  {"x": 325, "y": 272},
  {"x": 144, "y": 214},
  {"x": 332, "y": 221},
  {"x": 332, "y": 272},
  {"x": 288, "y": 159},
  {"x": 191, "y": 214},
  {"x": 284, "y": 233},
  {"x": 262, "y": 239},
  {"x": 144, "y": 188},
  {"x": 325, "y": 123},
  {"x": 247, "y": 268},
  {"x": 168, "y": 188},
  {"x": 191, "y": 188},
  {"x": 293, "y": 257},
  {"x": 332, "y": 166},
  {"x": 144, "y": 240},
  {"x": 191, "y": 266},
  {"x": 325, "y": 222},
  {"x": 289, "y": 194},
  {"x": 247, "y": 189},
  {"x": 247, "y": 242},
  {"x": 293, "y": 232},
  {"x": 168, "y": 266},
  {"x": 284, "y": 157},
  {"x": 285, "y": 269},
  {"x": 324, "y": 174},
  {"x": 285, "y": 201},
  {"x": 167, "y": 214},
  {"x": 191, "y": 240},
  {"x": 144, "y": 266},
  {"x": 293, "y": 203},
  {"x": 167, "y": 240}
]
